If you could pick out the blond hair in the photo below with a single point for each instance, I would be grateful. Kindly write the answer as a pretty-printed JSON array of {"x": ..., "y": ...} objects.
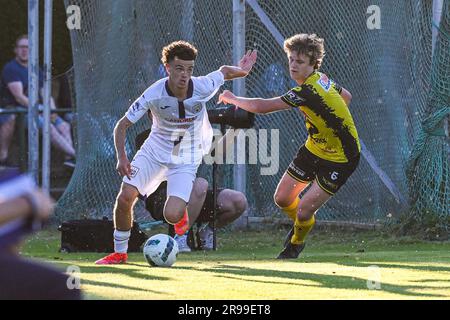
[{"x": 308, "y": 44}]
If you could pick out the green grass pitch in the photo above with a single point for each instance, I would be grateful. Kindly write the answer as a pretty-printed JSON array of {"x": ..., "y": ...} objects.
[{"x": 334, "y": 265}]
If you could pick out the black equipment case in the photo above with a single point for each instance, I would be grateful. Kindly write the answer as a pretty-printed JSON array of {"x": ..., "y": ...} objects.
[{"x": 96, "y": 236}]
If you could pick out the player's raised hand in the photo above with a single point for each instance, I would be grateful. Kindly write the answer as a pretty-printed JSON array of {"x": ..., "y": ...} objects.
[
  {"x": 226, "y": 97},
  {"x": 248, "y": 60},
  {"x": 242, "y": 69},
  {"x": 124, "y": 167}
]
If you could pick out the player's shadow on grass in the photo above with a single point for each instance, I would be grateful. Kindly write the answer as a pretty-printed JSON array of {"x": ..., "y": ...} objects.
[
  {"x": 122, "y": 270},
  {"x": 118, "y": 286},
  {"x": 322, "y": 280},
  {"x": 354, "y": 260},
  {"x": 431, "y": 280},
  {"x": 399, "y": 266}
]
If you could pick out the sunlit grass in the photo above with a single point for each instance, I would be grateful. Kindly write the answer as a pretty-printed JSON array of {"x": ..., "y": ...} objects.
[{"x": 334, "y": 265}]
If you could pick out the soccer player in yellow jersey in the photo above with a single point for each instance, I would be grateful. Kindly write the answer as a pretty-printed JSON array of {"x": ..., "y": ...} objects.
[{"x": 332, "y": 150}]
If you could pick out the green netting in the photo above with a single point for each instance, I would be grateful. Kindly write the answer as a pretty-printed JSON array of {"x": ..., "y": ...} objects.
[
  {"x": 429, "y": 163},
  {"x": 400, "y": 94}
]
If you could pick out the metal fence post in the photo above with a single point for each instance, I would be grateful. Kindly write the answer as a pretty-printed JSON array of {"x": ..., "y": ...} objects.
[
  {"x": 239, "y": 170},
  {"x": 47, "y": 96},
  {"x": 33, "y": 89}
]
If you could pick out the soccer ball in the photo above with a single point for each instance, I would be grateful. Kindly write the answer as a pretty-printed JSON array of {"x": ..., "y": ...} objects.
[{"x": 161, "y": 250}]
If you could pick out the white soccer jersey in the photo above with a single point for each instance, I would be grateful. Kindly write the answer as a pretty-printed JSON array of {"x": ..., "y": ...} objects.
[{"x": 181, "y": 132}]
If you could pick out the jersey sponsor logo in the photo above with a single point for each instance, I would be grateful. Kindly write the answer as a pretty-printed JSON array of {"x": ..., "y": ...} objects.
[
  {"x": 329, "y": 184},
  {"x": 294, "y": 98},
  {"x": 165, "y": 107},
  {"x": 298, "y": 171},
  {"x": 324, "y": 82},
  {"x": 134, "y": 171},
  {"x": 183, "y": 120},
  {"x": 328, "y": 150}
]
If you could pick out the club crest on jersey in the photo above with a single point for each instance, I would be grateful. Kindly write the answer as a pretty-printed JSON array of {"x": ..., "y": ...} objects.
[
  {"x": 324, "y": 82},
  {"x": 197, "y": 108},
  {"x": 134, "y": 171}
]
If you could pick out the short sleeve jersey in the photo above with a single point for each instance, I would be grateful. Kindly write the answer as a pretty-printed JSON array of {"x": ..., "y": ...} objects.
[
  {"x": 179, "y": 127},
  {"x": 331, "y": 130}
]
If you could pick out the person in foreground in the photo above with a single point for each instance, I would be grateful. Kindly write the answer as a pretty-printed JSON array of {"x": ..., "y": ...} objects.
[
  {"x": 23, "y": 209},
  {"x": 332, "y": 150}
]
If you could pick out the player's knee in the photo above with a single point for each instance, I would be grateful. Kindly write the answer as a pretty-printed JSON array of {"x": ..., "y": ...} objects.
[
  {"x": 125, "y": 199},
  {"x": 173, "y": 216},
  {"x": 281, "y": 200},
  {"x": 173, "y": 211}
]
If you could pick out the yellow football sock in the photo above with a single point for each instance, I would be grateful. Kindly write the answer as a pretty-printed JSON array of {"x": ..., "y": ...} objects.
[
  {"x": 291, "y": 210},
  {"x": 301, "y": 230}
]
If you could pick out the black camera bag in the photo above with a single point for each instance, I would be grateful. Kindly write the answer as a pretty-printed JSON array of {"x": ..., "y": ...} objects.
[{"x": 96, "y": 236}]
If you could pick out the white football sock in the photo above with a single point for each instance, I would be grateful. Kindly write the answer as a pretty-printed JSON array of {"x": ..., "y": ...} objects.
[{"x": 121, "y": 241}]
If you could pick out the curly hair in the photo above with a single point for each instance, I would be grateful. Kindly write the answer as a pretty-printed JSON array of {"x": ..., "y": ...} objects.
[
  {"x": 181, "y": 49},
  {"x": 308, "y": 44}
]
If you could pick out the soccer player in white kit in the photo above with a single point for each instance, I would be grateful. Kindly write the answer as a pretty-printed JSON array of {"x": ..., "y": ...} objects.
[{"x": 180, "y": 136}]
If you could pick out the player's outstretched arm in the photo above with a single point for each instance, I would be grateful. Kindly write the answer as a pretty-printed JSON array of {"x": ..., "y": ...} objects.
[
  {"x": 120, "y": 131},
  {"x": 242, "y": 69},
  {"x": 254, "y": 105}
]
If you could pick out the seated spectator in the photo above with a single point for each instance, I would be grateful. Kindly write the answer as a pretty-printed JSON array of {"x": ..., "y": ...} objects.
[
  {"x": 230, "y": 205},
  {"x": 14, "y": 90}
]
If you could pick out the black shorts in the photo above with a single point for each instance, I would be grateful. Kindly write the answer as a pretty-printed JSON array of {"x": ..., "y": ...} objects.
[
  {"x": 330, "y": 176},
  {"x": 207, "y": 210},
  {"x": 155, "y": 204}
]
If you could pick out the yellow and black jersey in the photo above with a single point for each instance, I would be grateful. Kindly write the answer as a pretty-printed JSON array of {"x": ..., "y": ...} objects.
[{"x": 332, "y": 133}]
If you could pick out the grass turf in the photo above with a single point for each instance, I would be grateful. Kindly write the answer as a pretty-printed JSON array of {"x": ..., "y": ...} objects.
[{"x": 334, "y": 265}]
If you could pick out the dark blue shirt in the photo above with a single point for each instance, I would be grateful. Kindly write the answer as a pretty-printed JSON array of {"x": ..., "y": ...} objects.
[{"x": 15, "y": 72}]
